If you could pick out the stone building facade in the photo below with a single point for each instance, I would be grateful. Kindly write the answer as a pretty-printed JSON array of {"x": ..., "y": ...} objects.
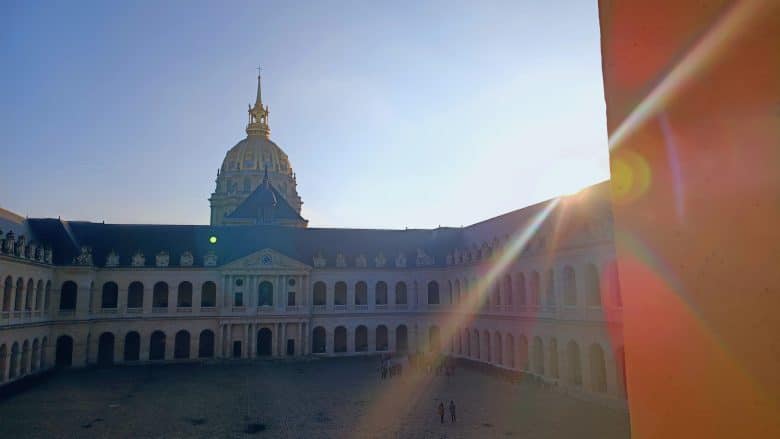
[{"x": 534, "y": 290}]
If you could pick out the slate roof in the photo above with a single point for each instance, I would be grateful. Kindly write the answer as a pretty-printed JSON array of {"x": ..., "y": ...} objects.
[{"x": 257, "y": 199}]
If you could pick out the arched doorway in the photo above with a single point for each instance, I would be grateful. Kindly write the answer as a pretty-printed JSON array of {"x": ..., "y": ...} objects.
[
  {"x": 181, "y": 345},
  {"x": 206, "y": 344},
  {"x": 106, "y": 349},
  {"x": 401, "y": 339},
  {"x": 64, "y": 353},
  {"x": 340, "y": 339},
  {"x": 264, "y": 341},
  {"x": 132, "y": 346},
  {"x": 157, "y": 346},
  {"x": 318, "y": 340}
]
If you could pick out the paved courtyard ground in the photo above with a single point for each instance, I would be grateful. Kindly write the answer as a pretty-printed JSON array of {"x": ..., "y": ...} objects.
[{"x": 329, "y": 398}]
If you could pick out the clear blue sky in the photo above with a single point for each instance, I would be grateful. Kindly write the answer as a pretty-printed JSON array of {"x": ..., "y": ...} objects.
[{"x": 393, "y": 115}]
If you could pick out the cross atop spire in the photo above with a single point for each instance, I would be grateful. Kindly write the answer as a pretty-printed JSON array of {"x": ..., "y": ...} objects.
[{"x": 258, "y": 114}]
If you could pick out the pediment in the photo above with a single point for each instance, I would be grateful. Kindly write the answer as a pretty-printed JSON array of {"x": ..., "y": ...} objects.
[{"x": 266, "y": 259}]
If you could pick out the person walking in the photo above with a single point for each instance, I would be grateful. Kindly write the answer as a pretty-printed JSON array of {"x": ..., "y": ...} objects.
[
  {"x": 441, "y": 411},
  {"x": 452, "y": 410}
]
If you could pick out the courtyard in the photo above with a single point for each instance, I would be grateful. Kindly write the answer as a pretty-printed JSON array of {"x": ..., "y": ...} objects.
[{"x": 328, "y": 398}]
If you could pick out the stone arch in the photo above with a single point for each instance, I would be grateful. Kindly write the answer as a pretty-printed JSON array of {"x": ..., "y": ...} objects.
[
  {"x": 25, "y": 358},
  {"x": 29, "y": 295},
  {"x": 206, "y": 344},
  {"x": 554, "y": 368},
  {"x": 522, "y": 352},
  {"x": 569, "y": 286},
  {"x": 433, "y": 293},
  {"x": 132, "y": 350},
  {"x": 157, "y": 346},
  {"x": 68, "y": 296},
  {"x": 181, "y": 345},
  {"x": 340, "y": 294},
  {"x": 135, "y": 295},
  {"x": 264, "y": 343},
  {"x": 380, "y": 293},
  {"x": 401, "y": 339},
  {"x": 592, "y": 286},
  {"x": 361, "y": 293},
  {"x": 47, "y": 296},
  {"x": 105, "y": 349},
  {"x": 499, "y": 355},
  {"x": 575, "y": 366},
  {"x": 401, "y": 294},
  {"x": 208, "y": 295},
  {"x": 7, "y": 293},
  {"x": 361, "y": 339},
  {"x": 64, "y": 351},
  {"x": 36, "y": 355},
  {"x": 434, "y": 339},
  {"x": 538, "y": 356},
  {"x": 320, "y": 294},
  {"x": 13, "y": 369},
  {"x": 109, "y": 298},
  {"x": 598, "y": 369},
  {"x": 381, "y": 338},
  {"x": 39, "y": 295},
  {"x": 184, "y": 295},
  {"x": 340, "y": 339},
  {"x": 160, "y": 295},
  {"x": 319, "y": 340},
  {"x": 510, "y": 350}
]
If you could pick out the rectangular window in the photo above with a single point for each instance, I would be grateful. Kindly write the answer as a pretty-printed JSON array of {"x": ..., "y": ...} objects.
[
  {"x": 291, "y": 298},
  {"x": 239, "y": 299}
]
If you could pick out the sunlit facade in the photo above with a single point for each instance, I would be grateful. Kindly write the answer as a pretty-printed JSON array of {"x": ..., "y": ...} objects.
[{"x": 534, "y": 290}]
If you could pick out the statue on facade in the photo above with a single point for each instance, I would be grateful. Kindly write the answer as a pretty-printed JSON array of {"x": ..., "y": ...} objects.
[
  {"x": 360, "y": 261},
  {"x": 186, "y": 259},
  {"x": 319, "y": 260},
  {"x": 380, "y": 260},
  {"x": 400, "y": 260},
  {"x": 138, "y": 259},
  {"x": 341, "y": 261},
  {"x": 210, "y": 259},
  {"x": 84, "y": 257},
  {"x": 112, "y": 259}
]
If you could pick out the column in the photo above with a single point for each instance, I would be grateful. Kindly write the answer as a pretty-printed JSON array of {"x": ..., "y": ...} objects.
[
  {"x": 221, "y": 346},
  {"x": 350, "y": 340},
  {"x": 119, "y": 347},
  {"x": 284, "y": 339},
  {"x": 229, "y": 340},
  {"x": 329, "y": 334}
]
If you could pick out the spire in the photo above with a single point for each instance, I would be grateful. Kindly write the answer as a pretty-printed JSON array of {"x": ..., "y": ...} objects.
[{"x": 258, "y": 115}]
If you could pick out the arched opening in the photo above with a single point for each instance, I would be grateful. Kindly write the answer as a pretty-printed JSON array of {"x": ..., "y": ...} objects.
[
  {"x": 381, "y": 293},
  {"x": 538, "y": 356},
  {"x": 264, "y": 341},
  {"x": 361, "y": 293},
  {"x": 400, "y": 293},
  {"x": 68, "y": 296},
  {"x": 265, "y": 294},
  {"x": 157, "y": 346},
  {"x": 598, "y": 369},
  {"x": 510, "y": 351},
  {"x": 8, "y": 288},
  {"x": 184, "y": 295},
  {"x": 64, "y": 351},
  {"x": 106, "y": 349},
  {"x": 573, "y": 360},
  {"x": 18, "y": 296},
  {"x": 361, "y": 339},
  {"x": 14, "y": 368},
  {"x": 401, "y": 339},
  {"x": 135, "y": 295},
  {"x": 206, "y": 344},
  {"x": 340, "y": 294},
  {"x": 569, "y": 286},
  {"x": 47, "y": 296},
  {"x": 181, "y": 345},
  {"x": 340, "y": 339},
  {"x": 132, "y": 346},
  {"x": 549, "y": 287},
  {"x": 499, "y": 356},
  {"x": 433, "y": 293},
  {"x": 522, "y": 352},
  {"x": 508, "y": 299},
  {"x": 35, "y": 355},
  {"x": 39, "y": 296},
  {"x": 536, "y": 298},
  {"x": 554, "y": 369},
  {"x": 160, "y": 295},
  {"x": 486, "y": 343},
  {"x": 381, "y": 338},
  {"x": 320, "y": 294},
  {"x": 3, "y": 362},
  {"x": 318, "y": 340},
  {"x": 208, "y": 295},
  {"x": 434, "y": 339},
  {"x": 28, "y": 297},
  {"x": 592, "y": 286},
  {"x": 25, "y": 358},
  {"x": 521, "y": 299},
  {"x": 110, "y": 296}
]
